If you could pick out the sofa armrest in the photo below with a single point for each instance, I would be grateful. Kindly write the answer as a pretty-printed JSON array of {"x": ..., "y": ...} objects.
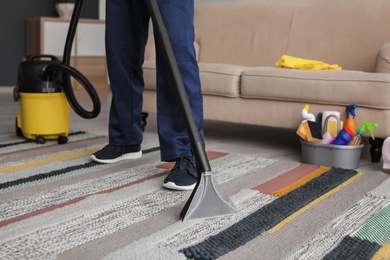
[{"x": 382, "y": 63}]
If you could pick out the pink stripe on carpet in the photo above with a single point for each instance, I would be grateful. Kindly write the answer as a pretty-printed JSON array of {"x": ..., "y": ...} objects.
[
  {"x": 211, "y": 155},
  {"x": 286, "y": 178}
]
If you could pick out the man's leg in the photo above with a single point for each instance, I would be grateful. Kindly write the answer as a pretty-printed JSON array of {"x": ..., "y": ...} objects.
[
  {"x": 127, "y": 25},
  {"x": 174, "y": 140}
]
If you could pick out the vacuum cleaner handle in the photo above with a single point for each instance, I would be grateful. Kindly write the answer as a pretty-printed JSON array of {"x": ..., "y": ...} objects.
[
  {"x": 207, "y": 199},
  {"x": 169, "y": 57}
]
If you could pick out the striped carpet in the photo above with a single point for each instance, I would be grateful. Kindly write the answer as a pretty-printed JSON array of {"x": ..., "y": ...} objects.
[{"x": 57, "y": 204}]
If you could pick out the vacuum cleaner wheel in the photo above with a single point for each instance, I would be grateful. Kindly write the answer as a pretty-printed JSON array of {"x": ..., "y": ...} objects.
[
  {"x": 62, "y": 139},
  {"x": 40, "y": 139}
]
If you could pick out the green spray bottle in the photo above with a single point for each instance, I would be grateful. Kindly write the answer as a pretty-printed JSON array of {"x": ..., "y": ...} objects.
[{"x": 357, "y": 139}]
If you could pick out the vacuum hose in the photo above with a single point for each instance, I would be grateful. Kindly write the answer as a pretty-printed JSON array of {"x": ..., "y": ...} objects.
[{"x": 68, "y": 71}]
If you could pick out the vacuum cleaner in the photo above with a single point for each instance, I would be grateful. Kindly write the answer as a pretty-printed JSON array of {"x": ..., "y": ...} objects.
[
  {"x": 46, "y": 94},
  {"x": 207, "y": 199}
]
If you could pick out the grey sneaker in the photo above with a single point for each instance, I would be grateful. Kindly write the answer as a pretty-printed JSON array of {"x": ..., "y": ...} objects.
[
  {"x": 183, "y": 176},
  {"x": 113, "y": 153}
]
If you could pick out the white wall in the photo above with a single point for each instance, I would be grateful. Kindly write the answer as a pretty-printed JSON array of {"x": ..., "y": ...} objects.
[{"x": 102, "y": 6}]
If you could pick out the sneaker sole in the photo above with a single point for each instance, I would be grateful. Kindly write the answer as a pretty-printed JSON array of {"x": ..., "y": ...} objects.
[
  {"x": 172, "y": 186},
  {"x": 126, "y": 156}
]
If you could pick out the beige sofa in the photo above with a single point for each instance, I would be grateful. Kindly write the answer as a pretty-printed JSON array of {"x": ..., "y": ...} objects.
[{"x": 239, "y": 43}]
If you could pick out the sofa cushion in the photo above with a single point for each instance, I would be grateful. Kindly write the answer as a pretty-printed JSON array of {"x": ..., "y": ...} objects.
[
  {"x": 249, "y": 33},
  {"x": 217, "y": 79},
  {"x": 319, "y": 87},
  {"x": 257, "y": 33},
  {"x": 347, "y": 33},
  {"x": 383, "y": 59},
  {"x": 221, "y": 79}
]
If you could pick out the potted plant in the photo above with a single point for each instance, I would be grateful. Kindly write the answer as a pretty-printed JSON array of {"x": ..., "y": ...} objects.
[{"x": 65, "y": 8}]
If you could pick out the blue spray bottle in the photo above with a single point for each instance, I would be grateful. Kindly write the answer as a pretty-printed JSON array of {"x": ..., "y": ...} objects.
[
  {"x": 350, "y": 113},
  {"x": 344, "y": 136}
]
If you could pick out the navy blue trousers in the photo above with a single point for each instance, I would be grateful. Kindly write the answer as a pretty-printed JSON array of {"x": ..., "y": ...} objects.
[{"x": 127, "y": 30}]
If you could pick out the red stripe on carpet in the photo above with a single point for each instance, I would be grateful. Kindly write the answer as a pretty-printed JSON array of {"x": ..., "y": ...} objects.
[
  {"x": 286, "y": 178},
  {"x": 41, "y": 211},
  {"x": 210, "y": 154}
]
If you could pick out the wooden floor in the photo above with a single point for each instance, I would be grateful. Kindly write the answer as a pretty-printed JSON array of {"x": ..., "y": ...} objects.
[{"x": 281, "y": 144}]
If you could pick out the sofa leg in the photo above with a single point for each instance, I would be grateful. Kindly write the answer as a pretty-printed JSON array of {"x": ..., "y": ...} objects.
[
  {"x": 143, "y": 121},
  {"x": 376, "y": 149}
]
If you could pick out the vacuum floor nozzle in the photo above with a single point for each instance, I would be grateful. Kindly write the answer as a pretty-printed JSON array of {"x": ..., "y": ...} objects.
[{"x": 209, "y": 200}]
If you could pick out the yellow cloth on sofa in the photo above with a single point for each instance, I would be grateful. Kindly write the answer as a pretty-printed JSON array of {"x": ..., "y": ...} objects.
[{"x": 287, "y": 61}]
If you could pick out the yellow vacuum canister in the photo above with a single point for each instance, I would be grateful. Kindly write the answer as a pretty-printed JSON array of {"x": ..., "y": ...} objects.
[
  {"x": 44, "y": 108},
  {"x": 45, "y": 97},
  {"x": 45, "y": 93},
  {"x": 44, "y": 116}
]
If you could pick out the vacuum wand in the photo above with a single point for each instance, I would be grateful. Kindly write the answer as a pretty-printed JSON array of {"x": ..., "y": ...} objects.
[
  {"x": 169, "y": 57},
  {"x": 207, "y": 199}
]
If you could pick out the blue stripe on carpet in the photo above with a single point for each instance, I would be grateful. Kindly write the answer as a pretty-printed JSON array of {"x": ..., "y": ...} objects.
[
  {"x": 354, "y": 248},
  {"x": 54, "y": 173},
  {"x": 267, "y": 217},
  {"x": 25, "y": 141}
]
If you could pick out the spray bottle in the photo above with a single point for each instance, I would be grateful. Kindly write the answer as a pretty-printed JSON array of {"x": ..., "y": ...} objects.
[
  {"x": 350, "y": 113},
  {"x": 357, "y": 139},
  {"x": 344, "y": 136},
  {"x": 350, "y": 110}
]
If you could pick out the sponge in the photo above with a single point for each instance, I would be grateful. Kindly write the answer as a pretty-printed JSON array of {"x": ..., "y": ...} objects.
[
  {"x": 309, "y": 131},
  {"x": 301, "y": 131}
]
